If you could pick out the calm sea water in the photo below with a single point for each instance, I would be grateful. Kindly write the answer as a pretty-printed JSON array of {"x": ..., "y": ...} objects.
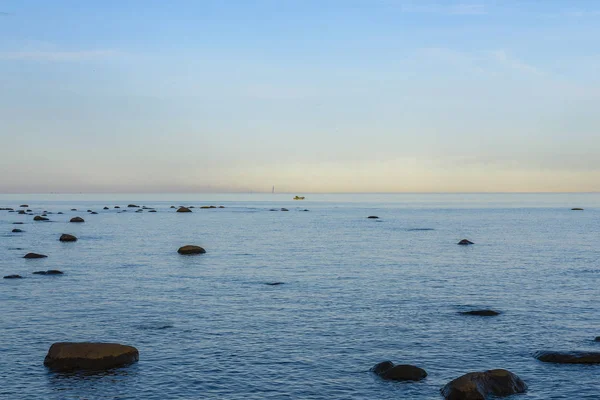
[{"x": 357, "y": 291}]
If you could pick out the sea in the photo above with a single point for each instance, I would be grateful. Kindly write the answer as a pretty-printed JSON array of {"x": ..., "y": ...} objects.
[{"x": 354, "y": 292}]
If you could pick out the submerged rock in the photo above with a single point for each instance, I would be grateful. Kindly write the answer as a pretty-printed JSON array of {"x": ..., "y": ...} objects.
[
  {"x": 117, "y": 207},
  {"x": 183, "y": 209},
  {"x": 60, "y": 213},
  {"x": 465, "y": 242},
  {"x": 22, "y": 212},
  {"x": 190, "y": 249},
  {"x": 77, "y": 219},
  {"x": 34, "y": 255},
  {"x": 152, "y": 211},
  {"x": 481, "y": 313},
  {"x": 274, "y": 283},
  {"x": 172, "y": 207},
  {"x": 93, "y": 213},
  {"x": 570, "y": 357},
  {"x": 49, "y": 272},
  {"x": 17, "y": 223},
  {"x": 284, "y": 209},
  {"x": 404, "y": 372},
  {"x": 17, "y": 230},
  {"x": 221, "y": 206},
  {"x": 89, "y": 356},
  {"x": 576, "y": 209},
  {"x": 480, "y": 385},
  {"x": 14, "y": 276},
  {"x": 132, "y": 206},
  {"x": 65, "y": 237},
  {"x": 372, "y": 217},
  {"x": 40, "y": 218},
  {"x": 24, "y": 206},
  {"x": 73, "y": 209}
]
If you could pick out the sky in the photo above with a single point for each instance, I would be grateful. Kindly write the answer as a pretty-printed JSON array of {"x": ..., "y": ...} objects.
[{"x": 152, "y": 96}]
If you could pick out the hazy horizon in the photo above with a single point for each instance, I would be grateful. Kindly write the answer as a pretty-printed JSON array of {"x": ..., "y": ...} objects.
[{"x": 354, "y": 96}]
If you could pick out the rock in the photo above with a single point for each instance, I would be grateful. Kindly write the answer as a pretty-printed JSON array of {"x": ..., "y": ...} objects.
[
  {"x": 24, "y": 206},
  {"x": 93, "y": 213},
  {"x": 480, "y": 385},
  {"x": 49, "y": 272},
  {"x": 17, "y": 223},
  {"x": 5, "y": 209},
  {"x": 140, "y": 210},
  {"x": 221, "y": 206},
  {"x": 387, "y": 370},
  {"x": 571, "y": 357},
  {"x": 191, "y": 207},
  {"x": 597, "y": 339},
  {"x": 15, "y": 276},
  {"x": 183, "y": 209},
  {"x": 89, "y": 211},
  {"x": 465, "y": 242},
  {"x": 60, "y": 213},
  {"x": 34, "y": 255},
  {"x": 273, "y": 209},
  {"x": 373, "y": 217},
  {"x": 65, "y": 237},
  {"x": 576, "y": 209},
  {"x": 274, "y": 283},
  {"x": 133, "y": 206},
  {"x": 40, "y": 218},
  {"x": 189, "y": 249},
  {"x": 205, "y": 207},
  {"x": 172, "y": 207},
  {"x": 77, "y": 219},
  {"x": 21, "y": 212},
  {"x": 73, "y": 209},
  {"x": 481, "y": 313},
  {"x": 89, "y": 356},
  {"x": 305, "y": 210},
  {"x": 17, "y": 230},
  {"x": 105, "y": 208},
  {"x": 117, "y": 207},
  {"x": 284, "y": 209}
]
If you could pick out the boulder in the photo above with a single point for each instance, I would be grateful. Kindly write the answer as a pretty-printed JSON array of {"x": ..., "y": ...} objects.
[
  {"x": 21, "y": 212},
  {"x": 77, "y": 219},
  {"x": 576, "y": 209},
  {"x": 34, "y": 255},
  {"x": 172, "y": 207},
  {"x": 597, "y": 339},
  {"x": 132, "y": 206},
  {"x": 373, "y": 217},
  {"x": 17, "y": 230},
  {"x": 89, "y": 211},
  {"x": 183, "y": 209},
  {"x": 569, "y": 357},
  {"x": 481, "y": 313},
  {"x": 17, "y": 223},
  {"x": 465, "y": 242},
  {"x": 152, "y": 211},
  {"x": 49, "y": 272},
  {"x": 65, "y": 237},
  {"x": 189, "y": 249},
  {"x": 117, "y": 207},
  {"x": 73, "y": 209},
  {"x": 105, "y": 208},
  {"x": 40, "y": 218},
  {"x": 480, "y": 385},
  {"x": 15, "y": 276},
  {"x": 60, "y": 213},
  {"x": 93, "y": 213},
  {"x": 24, "y": 206},
  {"x": 284, "y": 209},
  {"x": 274, "y": 283},
  {"x": 387, "y": 370},
  {"x": 89, "y": 356}
]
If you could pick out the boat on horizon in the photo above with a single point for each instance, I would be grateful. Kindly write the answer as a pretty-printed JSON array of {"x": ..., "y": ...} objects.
[{"x": 299, "y": 198}]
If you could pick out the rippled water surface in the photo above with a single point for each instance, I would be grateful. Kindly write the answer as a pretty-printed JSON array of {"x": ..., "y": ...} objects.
[{"x": 356, "y": 291}]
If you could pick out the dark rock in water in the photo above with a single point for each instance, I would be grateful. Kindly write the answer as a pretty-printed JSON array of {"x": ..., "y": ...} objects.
[
  {"x": 387, "y": 370},
  {"x": 576, "y": 209},
  {"x": 93, "y": 213},
  {"x": 6, "y": 209},
  {"x": 34, "y": 255},
  {"x": 284, "y": 209},
  {"x": 205, "y": 207},
  {"x": 152, "y": 211},
  {"x": 191, "y": 207},
  {"x": 89, "y": 210},
  {"x": 29, "y": 211},
  {"x": 15, "y": 276},
  {"x": 65, "y": 237},
  {"x": 105, "y": 208},
  {"x": 89, "y": 356},
  {"x": 305, "y": 210},
  {"x": 17, "y": 230},
  {"x": 189, "y": 249},
  {"x": 183, "y": 209},
  {"x": 22, "y": 212},
  {"x": 77, "y": 219},
  {"x": 17, "y": 223},
  {"x": 481, "y": 313},
  {"x": 60, "y": 213},
  {"x": 132, "y": 206},
  {"x": 73, "y": 209},
  {"x": 570, "y": 357},
  {"x": 24, "y": 206},
  {"x": 49, "y": 272},
  {"x": 140, "y": 210},
  {"x": 117, "y": 207},
  {"x": 221, "y": 206},
  {"x": 274, "y": 283},
  {"x": 597, "y": 339},
  {"x": 273, "y": 209},
  {"x": 40, "y": 218},
  {"x": 373, "y": 217},
  {"x": 480, "y": 385},
  {"x": 465, "y": 242},
  {"x": 172, "y": 207}
]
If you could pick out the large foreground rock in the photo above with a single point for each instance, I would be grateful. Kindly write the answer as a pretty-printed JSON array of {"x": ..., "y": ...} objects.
[
  {"x": 183, "y": 209},
  {"x": 77, "y": 219},
  {"x": 34, "y": 255},
  {"x": 89, "y": 356},
  {"x": 480, "y": 385},
  {"x": 65, "y": 237},
  {"x": 387, "y": 370},
  {"x": 189, "y": 249},
  {"x": 570, "y": 357}
]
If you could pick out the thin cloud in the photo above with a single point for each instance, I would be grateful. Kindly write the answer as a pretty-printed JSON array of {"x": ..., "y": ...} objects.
[{"x": 58, "y": 56}]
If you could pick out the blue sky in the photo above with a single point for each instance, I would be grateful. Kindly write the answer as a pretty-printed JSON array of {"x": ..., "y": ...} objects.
[{"x": 310, "y": 96}]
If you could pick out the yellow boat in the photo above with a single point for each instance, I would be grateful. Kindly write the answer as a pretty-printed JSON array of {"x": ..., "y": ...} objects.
[{"x": 299, "y": 198}]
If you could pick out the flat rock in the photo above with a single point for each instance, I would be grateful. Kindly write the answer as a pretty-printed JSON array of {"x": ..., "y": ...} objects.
[
  {"x": 117, "y": 207},
  {"x": 14, "y": 276},
  {"x": 569, "y": 357},
  {"x": 73, "y": 209},
  {"x": 403, "y": 372},
  {"x": 481, "y": 313},
  {"x": 284, "y": 209},
  {"x": 480, "y": 385},
  {"x": 40, "y": 218},
  {"x": 24, "y": 206},
  {"x": 49, "y": 272},
  {"x": 576, "y": 209},
  {"x": 65, "y": 237},
  {"x": 597, "y": 339},
  {"x": 152, "y": 211},
  {"x": 465, "y": 242},
  {"x": 183, "y": 209},
  {"x": 89, "y": 356},
  {"x": 373, "y": 217},
  {"x": 17, "y": 223},
  {"x": 190, "y": 249},
  {"x": 77, "y": 219},
  {"x": 17, "y": 230},
  {"x": 34, "y": 255},
  {"x": 132, "y": 206},
  {"x": 274, "y": 283}
]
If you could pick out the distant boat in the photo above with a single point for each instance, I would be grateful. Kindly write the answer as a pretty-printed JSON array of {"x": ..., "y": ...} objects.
[{"x": 299, "y": 198}]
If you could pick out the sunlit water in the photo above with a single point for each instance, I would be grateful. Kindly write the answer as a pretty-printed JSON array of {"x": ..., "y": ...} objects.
[{"x": 357, "y": 291}]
